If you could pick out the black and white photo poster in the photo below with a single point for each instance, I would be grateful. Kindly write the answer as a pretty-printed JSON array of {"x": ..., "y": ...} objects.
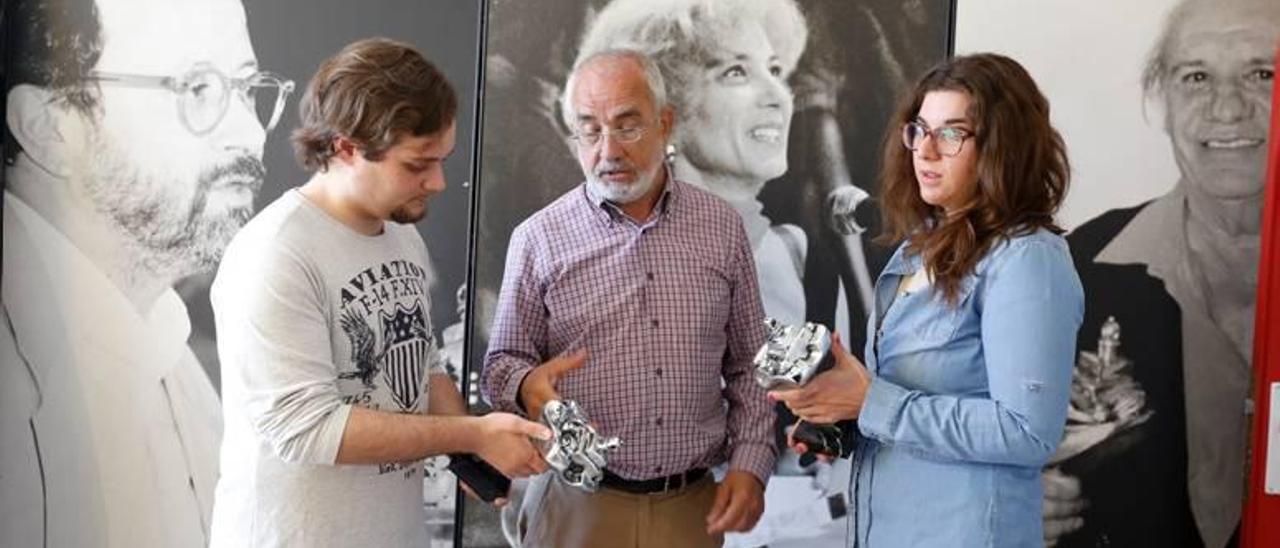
[
  {"x": 140, "y": 136},
  {"x": 1164, "y": 106}
]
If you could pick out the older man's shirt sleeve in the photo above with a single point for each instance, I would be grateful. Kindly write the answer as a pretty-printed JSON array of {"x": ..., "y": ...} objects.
[
  {"x": 517, "y": 341},
  {"x": 1033, "y": 306},
  {"x": 751, "y": 418}
]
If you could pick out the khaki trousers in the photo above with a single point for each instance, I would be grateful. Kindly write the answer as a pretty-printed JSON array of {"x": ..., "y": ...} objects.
[{"x": 568, "y": 517}]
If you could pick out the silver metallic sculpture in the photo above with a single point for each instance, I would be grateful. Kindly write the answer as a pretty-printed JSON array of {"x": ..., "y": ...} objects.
[
  {"x": 576, "y": 451},
  {"x": 791, "y": 355},
  {"x": 788, "y": 359}
]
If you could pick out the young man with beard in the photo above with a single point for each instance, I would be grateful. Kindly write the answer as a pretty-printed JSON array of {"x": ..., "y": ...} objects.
[
  {"x": 635, "y": 295},
  {"x": 134, "y": 155},
  {"x": 333, "y": 390}
]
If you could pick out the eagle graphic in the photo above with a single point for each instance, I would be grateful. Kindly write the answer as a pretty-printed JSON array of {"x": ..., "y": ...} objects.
[
  {"x": 398, "y": 356},
  {"x": 363, "y": 355}
]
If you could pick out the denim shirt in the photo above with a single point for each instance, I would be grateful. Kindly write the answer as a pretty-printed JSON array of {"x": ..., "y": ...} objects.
[{"x": 967, "y": 402}]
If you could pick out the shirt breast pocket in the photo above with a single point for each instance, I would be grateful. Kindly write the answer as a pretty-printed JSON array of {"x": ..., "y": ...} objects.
[{"x": 942, "y": 322}]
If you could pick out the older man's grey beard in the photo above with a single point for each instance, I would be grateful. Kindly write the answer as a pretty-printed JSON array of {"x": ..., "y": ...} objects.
[
  {"x": 620, "y": 193},
  {"x": 174, "y": 238}
]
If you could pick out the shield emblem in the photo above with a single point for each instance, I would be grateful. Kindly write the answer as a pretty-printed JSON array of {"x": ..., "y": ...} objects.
[{"x": 406, "y": 340}]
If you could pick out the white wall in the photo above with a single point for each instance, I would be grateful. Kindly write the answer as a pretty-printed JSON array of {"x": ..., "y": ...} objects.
[{"x": 1087, "y": 57}]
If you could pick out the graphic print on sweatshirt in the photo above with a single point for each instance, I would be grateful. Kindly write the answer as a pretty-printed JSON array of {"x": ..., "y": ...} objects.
[{"x": 383, "y": 312}]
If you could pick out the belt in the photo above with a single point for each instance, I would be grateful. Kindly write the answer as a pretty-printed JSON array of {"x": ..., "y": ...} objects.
[{"x": 673, "y": 482}]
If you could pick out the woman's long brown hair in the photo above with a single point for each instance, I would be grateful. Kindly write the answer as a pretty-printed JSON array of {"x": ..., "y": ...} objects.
[{"x": 1022, "y": 169}]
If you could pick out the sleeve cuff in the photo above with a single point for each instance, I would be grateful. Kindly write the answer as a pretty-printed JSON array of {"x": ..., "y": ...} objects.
[
  {"x": 880, "y": 410},
  {"x": 758, "y": 459},
  {"x": 331, "y": 432},
  {"x": 509, "y": 399}
]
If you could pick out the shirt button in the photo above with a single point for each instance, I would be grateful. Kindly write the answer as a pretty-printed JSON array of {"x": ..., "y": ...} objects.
[
  {"x": 649, "y": 275},
  {"x": 657, "y": 469},
  {"x": 658, "y": 422},
  {"x": 655, "y": 323},
  {"x": 658, "y": 371}
]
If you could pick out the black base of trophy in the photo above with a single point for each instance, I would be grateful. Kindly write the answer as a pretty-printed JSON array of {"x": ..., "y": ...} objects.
[
  {"x": 483, "y": 479},
  {"x": 831, "y": 440}
]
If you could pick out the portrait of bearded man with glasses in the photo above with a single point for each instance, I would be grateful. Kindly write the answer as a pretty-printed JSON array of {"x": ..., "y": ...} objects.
[{"x": 135, "y": 133}]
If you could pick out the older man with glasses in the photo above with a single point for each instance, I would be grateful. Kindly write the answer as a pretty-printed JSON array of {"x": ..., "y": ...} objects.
[
  {"x": 635, "y": 295},
  {"x": 134, "y": 154}
]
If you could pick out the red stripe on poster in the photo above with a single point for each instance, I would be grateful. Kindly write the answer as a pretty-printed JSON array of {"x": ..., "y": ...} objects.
[{"x": 1262, "y": 510}]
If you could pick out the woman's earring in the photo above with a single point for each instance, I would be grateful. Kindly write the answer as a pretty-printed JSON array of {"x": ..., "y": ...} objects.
[{"x": 670, "y": 156}]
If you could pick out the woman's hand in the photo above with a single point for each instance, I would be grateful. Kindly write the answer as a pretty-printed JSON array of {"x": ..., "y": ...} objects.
[
  {"x": 798, "y": 446},
  {"x": 833, "y": 395}
]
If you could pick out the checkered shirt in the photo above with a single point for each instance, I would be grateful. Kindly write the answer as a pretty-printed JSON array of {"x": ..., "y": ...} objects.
[{"x": 669, "y": 312}]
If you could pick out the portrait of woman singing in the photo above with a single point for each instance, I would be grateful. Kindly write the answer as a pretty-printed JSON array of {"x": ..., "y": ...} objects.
[{"x": 971, "y": 339}]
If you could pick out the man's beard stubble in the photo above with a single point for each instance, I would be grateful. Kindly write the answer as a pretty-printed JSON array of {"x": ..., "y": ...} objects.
[
  {"x": 172, "y": 238},
  {"x": 621, "y": 193},
  {"x": 405, "y": 216}
]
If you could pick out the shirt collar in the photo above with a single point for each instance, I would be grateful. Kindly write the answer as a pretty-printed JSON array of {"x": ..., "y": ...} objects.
[
  {"x": 1156, "y": 237},
  {"x": 902, "y": 262},
  {"x": 49, "y": 283},
  {"x": 608, "y": 212}
]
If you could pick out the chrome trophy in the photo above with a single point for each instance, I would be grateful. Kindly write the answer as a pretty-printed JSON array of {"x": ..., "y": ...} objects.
[
  {"x": 576, "y": 451},
  {"x": 791, "y": 355},
  {"x": 789, "y": 358}
]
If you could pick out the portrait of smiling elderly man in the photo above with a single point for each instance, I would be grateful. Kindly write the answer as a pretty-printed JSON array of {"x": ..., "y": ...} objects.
[
  {"x": 135, "y": 137},
  {"x": 1169, "y": 289}
]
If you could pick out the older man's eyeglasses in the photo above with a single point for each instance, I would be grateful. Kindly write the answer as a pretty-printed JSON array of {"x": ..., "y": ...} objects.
[
  {"x": 204, "y": 94},
  {"x": 948, "y": 139},
  {"x": 592, "y": 137}
]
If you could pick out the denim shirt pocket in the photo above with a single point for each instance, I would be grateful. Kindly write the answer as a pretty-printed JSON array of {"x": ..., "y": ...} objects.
[{"x": 940, "y": 321}]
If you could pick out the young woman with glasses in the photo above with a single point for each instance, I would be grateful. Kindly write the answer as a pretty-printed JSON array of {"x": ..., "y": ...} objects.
[{"x": 972, "y": 337}]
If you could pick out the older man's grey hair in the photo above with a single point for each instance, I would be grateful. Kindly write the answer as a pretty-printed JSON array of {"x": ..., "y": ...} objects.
[
  {"x": 1158, "y": 65},
  {"x": 683, "y": 36},
  {"x": 652, "y": 77}
]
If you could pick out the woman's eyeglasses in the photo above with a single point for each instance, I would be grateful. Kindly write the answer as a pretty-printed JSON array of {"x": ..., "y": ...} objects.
[{"x": 948, "y": 139}]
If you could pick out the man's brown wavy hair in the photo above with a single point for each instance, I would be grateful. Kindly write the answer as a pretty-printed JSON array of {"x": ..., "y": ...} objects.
[
  {"x": 373, "y": 92},
  {"x": 1023, "y": 170}
]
